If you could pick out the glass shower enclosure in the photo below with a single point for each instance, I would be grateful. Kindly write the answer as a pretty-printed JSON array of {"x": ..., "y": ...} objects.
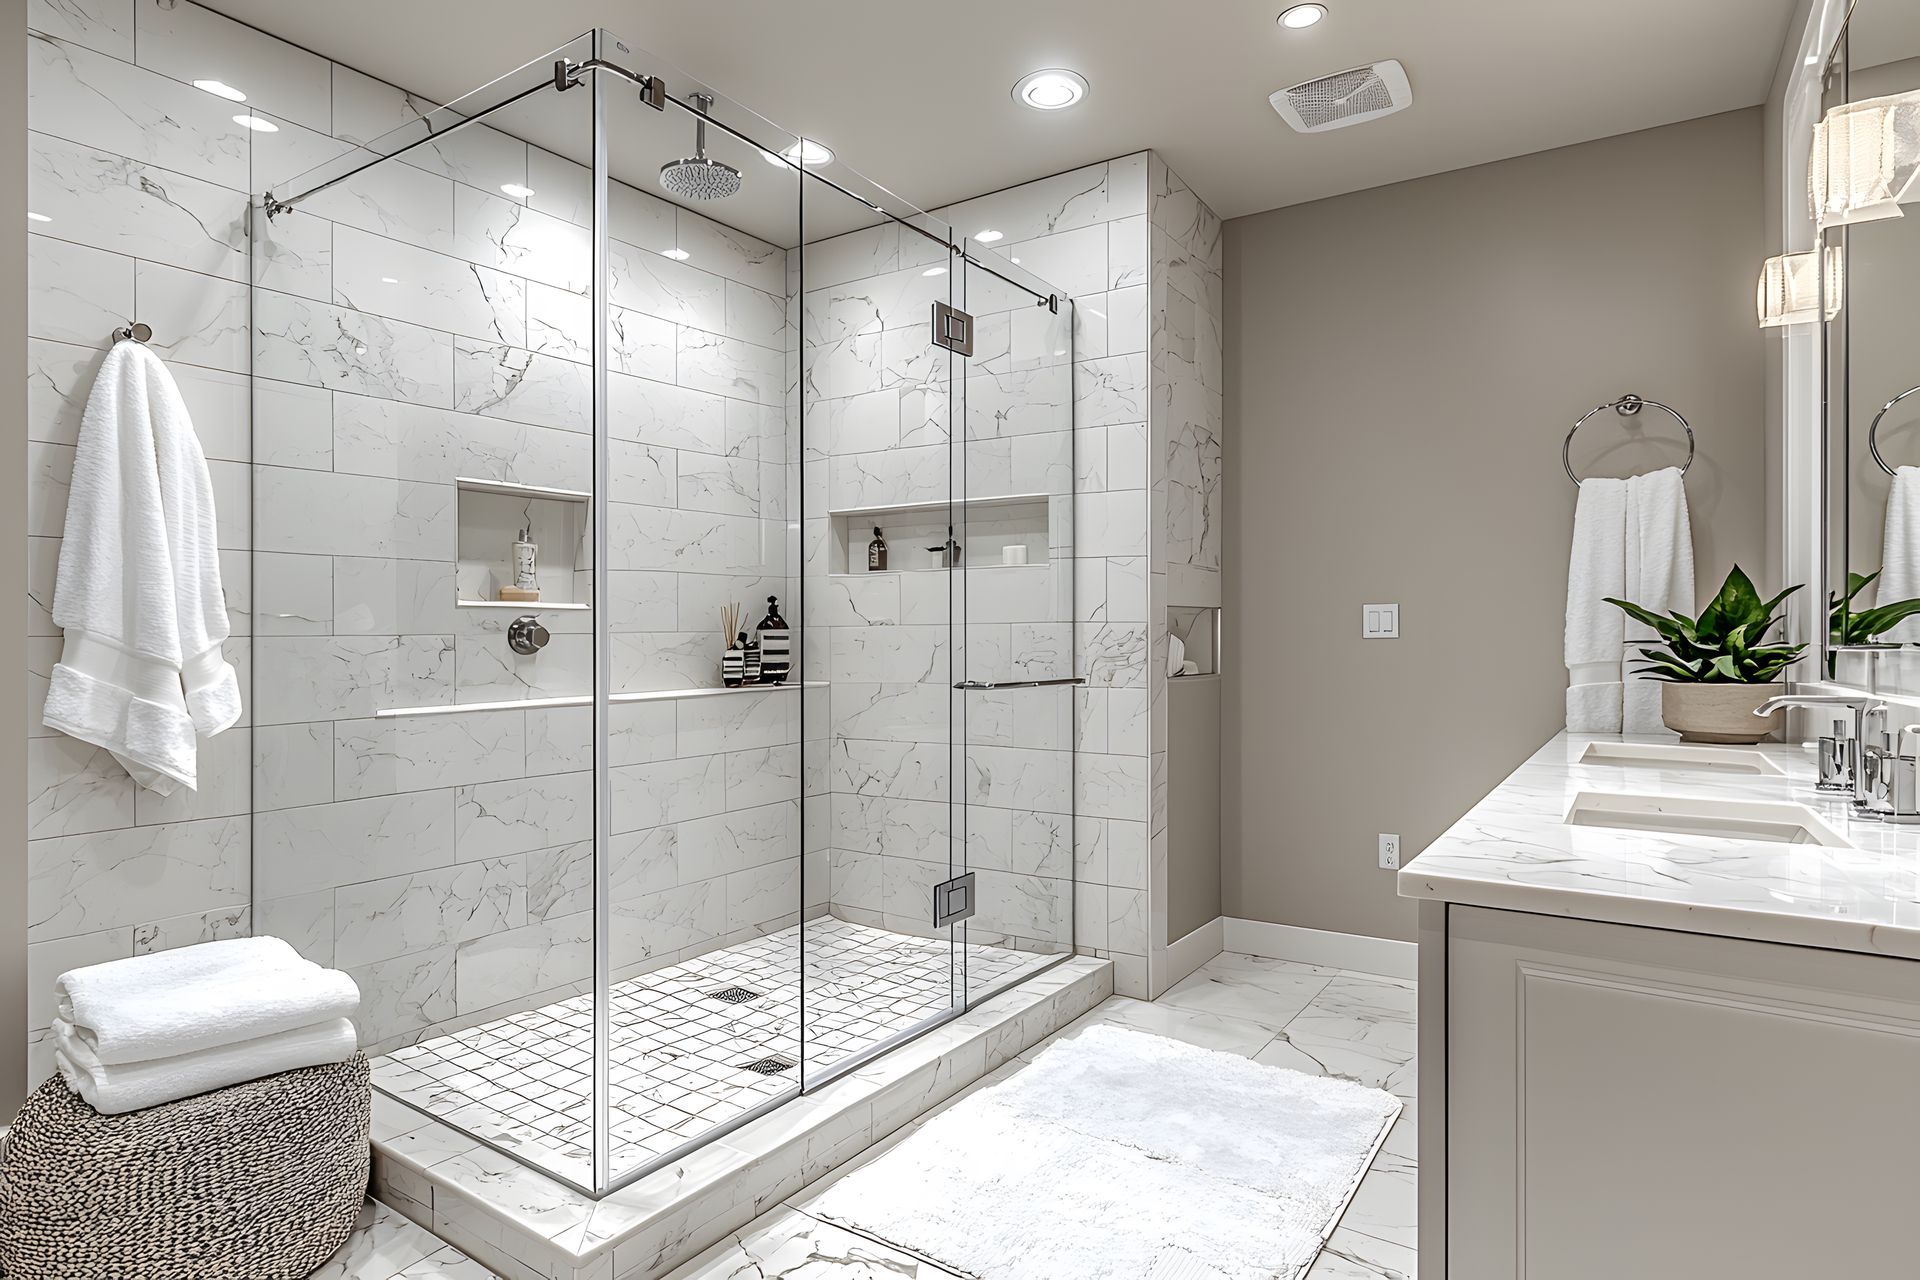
[{"x": 664, "y": 583}]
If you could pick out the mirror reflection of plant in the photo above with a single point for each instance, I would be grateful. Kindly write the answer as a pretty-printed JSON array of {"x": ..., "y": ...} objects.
[
  {"x": 1849, "y": 626},
  {"x": 1726, "y": 644}
]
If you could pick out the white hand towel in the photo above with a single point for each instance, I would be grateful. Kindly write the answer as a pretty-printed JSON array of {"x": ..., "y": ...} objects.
[
  {"x": 88, "y": 994},
  {"x": 116, "y": 1088},
  {"x": 138, "y": 592},
  {"x": 1597, "y": 569},
  {"x": 162, "y": 1015},
  {"x": 1900, "y": 552},
  {"x": 1659, "y": 576}
]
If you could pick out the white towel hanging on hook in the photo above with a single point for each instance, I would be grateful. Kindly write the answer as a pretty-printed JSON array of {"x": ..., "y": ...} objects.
[{"x": 138, "y": 592}]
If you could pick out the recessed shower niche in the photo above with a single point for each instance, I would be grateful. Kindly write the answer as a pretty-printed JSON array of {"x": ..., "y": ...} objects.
[
  {"x": 498, "y": 522},
  {"x": 1012, "y": 531}
]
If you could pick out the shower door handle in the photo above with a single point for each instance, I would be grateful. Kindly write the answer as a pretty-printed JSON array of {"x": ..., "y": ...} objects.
[{"x": 1019, "y": 684}]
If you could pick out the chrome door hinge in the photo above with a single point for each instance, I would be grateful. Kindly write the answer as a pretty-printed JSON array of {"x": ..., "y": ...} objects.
[
  {"x": 952, "y": 329},
  {"x": 953, "y": 900}
]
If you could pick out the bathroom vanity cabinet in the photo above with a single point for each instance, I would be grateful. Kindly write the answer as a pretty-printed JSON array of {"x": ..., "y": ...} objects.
[{"x": 1656, "y": 1055}]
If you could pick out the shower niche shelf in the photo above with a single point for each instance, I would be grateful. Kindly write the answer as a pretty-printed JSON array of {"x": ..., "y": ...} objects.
[
  {"x": 491, "y": 514},
  {"x": 1037, "y": 522}
]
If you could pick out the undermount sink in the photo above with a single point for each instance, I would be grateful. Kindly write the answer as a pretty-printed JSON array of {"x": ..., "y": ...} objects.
[
  {"x": 1667, "y": 755},
  {"x": 1774, "y": 822}
]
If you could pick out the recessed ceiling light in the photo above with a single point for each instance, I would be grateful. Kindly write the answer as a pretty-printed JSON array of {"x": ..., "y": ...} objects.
[
  {"x": 934, "y": 271},
  {"x": 1052, "y": 90},
  {"x": 516, "y": 190},
  {"x": 676, "y": 253},
  {"x": 807, "y": 151},
  {"x": 1302, "y": 16},
  {"x": 221, "y": 89},
  {"x": 989, "y": 236},
  {"x": 257, "y": 124},
  {"x": 37, "y": 217}
]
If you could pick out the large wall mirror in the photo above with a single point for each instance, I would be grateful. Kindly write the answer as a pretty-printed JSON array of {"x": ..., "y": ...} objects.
[{"x": 1871, "y": 235}]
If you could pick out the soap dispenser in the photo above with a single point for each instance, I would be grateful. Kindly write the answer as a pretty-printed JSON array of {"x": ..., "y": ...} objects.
[
  {"x": 776, "y": 645},
  {"x": 877, "y": 553}
]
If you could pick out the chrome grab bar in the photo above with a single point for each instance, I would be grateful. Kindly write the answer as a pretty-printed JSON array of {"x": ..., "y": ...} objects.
[{"x": 1019, "y": 684}]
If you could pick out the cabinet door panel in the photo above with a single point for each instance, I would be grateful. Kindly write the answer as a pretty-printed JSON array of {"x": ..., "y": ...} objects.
[{"x": 1635, "y": 1102}]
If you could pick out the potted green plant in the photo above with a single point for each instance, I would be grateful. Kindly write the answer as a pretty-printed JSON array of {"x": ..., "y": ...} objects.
[
  {"x": 1718, "y": 668},
  {"x": 1858, "y": 627}
]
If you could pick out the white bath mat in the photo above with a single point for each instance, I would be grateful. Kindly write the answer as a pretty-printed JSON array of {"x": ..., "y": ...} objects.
[{"x": 1125, "y": 1156}]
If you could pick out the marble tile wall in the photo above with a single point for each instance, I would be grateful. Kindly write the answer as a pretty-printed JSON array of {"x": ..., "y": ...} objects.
[
  {"x": 1185, "y": 417},
  {"x": 410, "y": 326},
  {"x": 138, "y": 185}
]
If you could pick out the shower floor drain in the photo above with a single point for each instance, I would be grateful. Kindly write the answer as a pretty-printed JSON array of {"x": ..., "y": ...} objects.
[
  {"x": 734, "y": 995},
  {"x": 770, "y": 1066}
]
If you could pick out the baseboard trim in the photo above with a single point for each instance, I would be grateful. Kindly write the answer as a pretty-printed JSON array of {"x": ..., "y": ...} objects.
[
  {"x": 1384, "y": 956},
  {"x": 1179, "y": 959}
]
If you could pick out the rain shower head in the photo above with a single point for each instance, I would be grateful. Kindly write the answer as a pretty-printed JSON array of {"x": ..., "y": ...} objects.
[{"x": 697, "y": 177}]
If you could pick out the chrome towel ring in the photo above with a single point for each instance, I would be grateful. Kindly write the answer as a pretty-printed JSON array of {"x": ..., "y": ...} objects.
[
  {"x": 1873, "y": 432},
  {"x": 1627, "y": 406}
]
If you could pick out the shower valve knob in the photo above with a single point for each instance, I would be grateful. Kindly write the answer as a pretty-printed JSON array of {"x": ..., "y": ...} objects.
[{"x": 525, "y": 636}]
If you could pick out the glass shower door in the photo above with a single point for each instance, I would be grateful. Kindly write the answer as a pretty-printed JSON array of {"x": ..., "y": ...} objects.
[
  {"x": 1020, "y": 709},
  {"x": 879, "y": 480}
]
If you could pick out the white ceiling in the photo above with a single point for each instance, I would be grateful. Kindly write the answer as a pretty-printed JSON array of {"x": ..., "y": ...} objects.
[{"x": 915, "y": 94}]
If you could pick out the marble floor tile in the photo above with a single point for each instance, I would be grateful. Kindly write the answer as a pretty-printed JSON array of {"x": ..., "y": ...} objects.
[
  {"x": 382, "y": 1247},
  {"x": 1382, "y": 1066},
  {"x": 1352, "y": 1256},
  {"x": 1386, "y": 1206},
  {"x": 788, "y": 1245},
  {"x": 1269, "y": 992},
  {"x": 1208, "y": 1030},
  {"x": 1362, "y": 1007}
]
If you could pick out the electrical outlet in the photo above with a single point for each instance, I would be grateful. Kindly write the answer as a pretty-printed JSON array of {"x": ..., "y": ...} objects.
[{"x": 1389, "y": 852}]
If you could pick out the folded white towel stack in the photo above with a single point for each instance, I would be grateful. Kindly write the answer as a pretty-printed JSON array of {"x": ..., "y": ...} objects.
[{"x": 135, "y": 1033}]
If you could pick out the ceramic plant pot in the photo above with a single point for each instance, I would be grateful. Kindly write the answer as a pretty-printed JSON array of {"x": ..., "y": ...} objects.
[{"x": 1720, "y": 712}]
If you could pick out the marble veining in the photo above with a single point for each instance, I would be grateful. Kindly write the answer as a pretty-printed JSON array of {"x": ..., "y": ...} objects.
[{"x": 1513, "y": 851}]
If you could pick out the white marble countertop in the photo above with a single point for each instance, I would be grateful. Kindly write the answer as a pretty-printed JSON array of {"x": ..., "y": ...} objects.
[{"x": 1514, "y": 851}]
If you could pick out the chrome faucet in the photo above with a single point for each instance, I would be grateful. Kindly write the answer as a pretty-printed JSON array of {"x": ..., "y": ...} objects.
[{"x": 1840, "y": 757}]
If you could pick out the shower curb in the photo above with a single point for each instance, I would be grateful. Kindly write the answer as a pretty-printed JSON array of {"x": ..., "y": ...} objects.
[{"x": 526, "y": 1226}]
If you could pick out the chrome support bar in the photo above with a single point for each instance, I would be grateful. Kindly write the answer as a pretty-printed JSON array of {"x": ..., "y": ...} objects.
[{"x": 1019, "y": 684}]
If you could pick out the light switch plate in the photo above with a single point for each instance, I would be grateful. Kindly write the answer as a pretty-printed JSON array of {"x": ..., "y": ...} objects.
[{"x": 1380, "y": 622}]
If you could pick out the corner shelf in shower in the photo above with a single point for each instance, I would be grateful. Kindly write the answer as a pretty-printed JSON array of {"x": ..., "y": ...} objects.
[
  {"x": 523, "y": 606},
  {"x": 1038, "y": 521},
  {"x": 586, "y": 700}
]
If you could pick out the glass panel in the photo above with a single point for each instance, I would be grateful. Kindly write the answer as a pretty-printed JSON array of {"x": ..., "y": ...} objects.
[
  {"x": 423, "y": 810},
  {"x": 1015, "y": 523},
  {"x": 877, "y": 516},
  {"x": 703, "y": 870}
]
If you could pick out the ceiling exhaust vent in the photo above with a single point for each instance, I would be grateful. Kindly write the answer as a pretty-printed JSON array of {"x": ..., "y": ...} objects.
[{"x": 1345, "y": 98}]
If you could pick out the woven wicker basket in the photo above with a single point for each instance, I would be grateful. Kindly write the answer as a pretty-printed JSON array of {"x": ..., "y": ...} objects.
[{"x": 261, "y": 1181}]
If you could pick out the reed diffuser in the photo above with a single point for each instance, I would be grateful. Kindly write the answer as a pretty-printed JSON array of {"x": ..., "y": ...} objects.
[{"x": 733, "y": 659}]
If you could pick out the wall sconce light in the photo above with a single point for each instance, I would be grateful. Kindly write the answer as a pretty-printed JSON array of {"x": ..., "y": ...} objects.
[
  {"x": 1791, "y": 291},
  {"x": 1866, "y": 158}
]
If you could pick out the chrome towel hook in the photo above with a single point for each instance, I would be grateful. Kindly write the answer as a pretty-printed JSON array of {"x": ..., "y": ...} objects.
[
  {"x": 136, "y": 331},
  {"x": 1627, "y": 406}
]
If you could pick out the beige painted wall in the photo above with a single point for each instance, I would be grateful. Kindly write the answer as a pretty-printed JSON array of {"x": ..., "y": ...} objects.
[
  {"x": 1401, "y": 366},
  {"x": 13, "y": 534}
]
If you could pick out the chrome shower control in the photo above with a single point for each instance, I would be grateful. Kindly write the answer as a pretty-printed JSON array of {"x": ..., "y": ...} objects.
[{"x": 526, "y": 637}]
